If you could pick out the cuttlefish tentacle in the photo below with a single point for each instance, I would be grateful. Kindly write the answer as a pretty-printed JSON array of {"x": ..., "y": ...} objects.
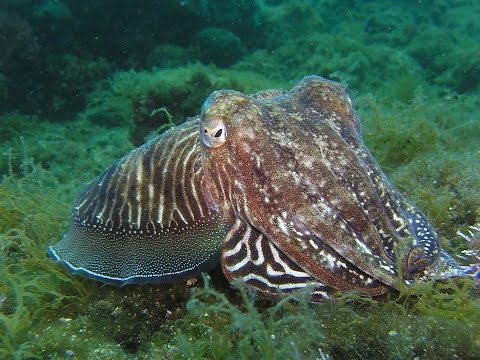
[{"x": 145, "y": 218}]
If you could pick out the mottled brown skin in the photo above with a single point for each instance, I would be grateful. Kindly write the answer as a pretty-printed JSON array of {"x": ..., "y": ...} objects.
[{"x": 296, "y": 169}]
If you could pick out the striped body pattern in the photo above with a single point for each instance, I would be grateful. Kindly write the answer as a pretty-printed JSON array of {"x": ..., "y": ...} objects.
[
  {"x": 277, "y": 187},
  {"x": 143, "y": 219}
]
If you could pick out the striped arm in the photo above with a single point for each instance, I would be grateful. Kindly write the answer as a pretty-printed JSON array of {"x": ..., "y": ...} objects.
[
  {"x": 144, "y": 218},
  {"x": 248, "y": 256}
]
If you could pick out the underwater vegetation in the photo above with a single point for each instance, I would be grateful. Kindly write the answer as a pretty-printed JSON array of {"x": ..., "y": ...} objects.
[
  {"x": 79, "y": 89},
  {"x": 149, "y": 102},
  {"x": 215, "y": 327}
]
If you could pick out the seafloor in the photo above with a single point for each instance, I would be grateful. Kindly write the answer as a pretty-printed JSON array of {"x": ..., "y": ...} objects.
[{"x": 84, "y": 81}]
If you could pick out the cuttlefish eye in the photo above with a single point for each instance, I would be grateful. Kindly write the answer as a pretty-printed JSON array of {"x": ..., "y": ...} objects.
[{"x": 214, "y": 133}]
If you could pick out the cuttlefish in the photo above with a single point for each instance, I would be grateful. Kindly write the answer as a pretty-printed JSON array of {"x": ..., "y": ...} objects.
[{"x": 277, "y": 187}]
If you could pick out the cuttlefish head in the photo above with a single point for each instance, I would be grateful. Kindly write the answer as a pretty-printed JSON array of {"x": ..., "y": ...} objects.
[
  {"x": 229, "y": 122},
  {"x": 259, "y": 152}
]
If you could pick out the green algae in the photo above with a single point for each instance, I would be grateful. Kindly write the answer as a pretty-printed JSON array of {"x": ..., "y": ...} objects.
[
  {"x": 217, "y": 328},
  {"x": 32, "y": 287},
  {"x": 426, "y": 321},
  {"x": 29, "y": 142}
]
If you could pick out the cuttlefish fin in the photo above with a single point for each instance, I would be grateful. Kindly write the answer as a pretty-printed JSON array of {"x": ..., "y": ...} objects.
[
  {"x": 248, "y": 256},
  {"x": 145, "y": 218}
]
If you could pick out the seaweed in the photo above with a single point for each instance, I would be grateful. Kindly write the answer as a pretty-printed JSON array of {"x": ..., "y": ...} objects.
[
  {"x": 16, "y": 325},
  {"x": 217, "y": 327},
  {"x": 432, "y": 320},
  {"x": 31, "y": 286}
]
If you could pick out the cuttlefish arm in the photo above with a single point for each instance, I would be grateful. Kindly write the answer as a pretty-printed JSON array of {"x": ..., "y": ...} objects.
[
  {"x": 248, "y": 256},
  {"x": 294, "y": 168},
  {"x": 145, "y": 218}
]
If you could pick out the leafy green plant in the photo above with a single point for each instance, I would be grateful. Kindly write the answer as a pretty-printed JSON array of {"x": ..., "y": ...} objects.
[{"x": 218, "y": 328}]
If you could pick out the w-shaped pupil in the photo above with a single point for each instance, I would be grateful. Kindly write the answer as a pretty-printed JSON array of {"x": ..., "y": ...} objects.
[{"x": 218, "y": 133}]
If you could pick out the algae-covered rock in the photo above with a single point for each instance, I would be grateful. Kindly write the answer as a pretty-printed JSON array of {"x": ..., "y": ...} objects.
[
  {"x": 56, "y": 9},
  {"x": 170, "y": 56},
  {"x": 3, "y": 88},
  {"x": 238, "y": 16},
  {"x": 282, "y": 21},
  {"x": 219, "y": 46},
  {"x": 464, "y": 75},
  {"x": 72, "y": 78}
]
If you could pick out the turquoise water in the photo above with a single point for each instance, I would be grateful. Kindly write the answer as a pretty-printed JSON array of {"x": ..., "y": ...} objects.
[{"x": 84, "y": 82}]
